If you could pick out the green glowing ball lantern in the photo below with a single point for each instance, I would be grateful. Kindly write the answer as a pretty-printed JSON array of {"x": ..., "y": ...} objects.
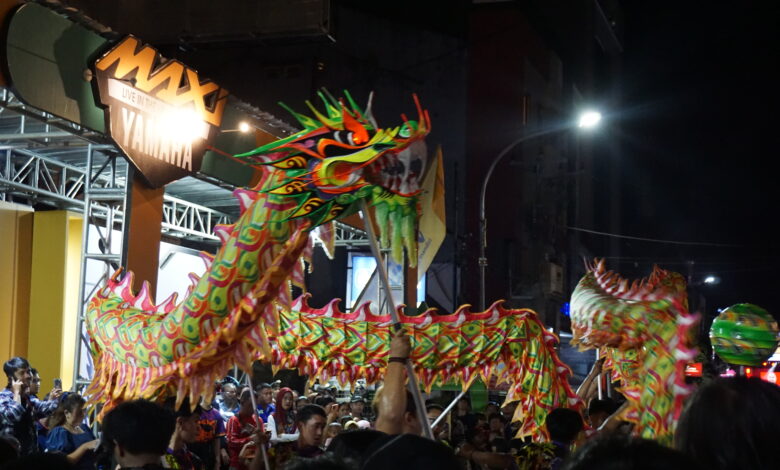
[{"x": 744, "y": 334}]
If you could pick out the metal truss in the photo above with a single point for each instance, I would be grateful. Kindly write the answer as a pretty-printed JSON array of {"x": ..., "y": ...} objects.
[
  {"x": 182, "y": 219},
  {"x": 347, "y": 235}
]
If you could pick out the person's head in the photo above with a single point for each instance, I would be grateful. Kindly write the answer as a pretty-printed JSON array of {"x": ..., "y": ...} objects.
[
  {"x": 138, "y": 432},
  {"x": 35, "y": 381},
  {"x": 350, "y": 424},
  {"x": 229, "y": 392},
  {"x": 70, "y": 411},
  {"x": 9, "y": 449},
  {"x": 352, "y": 445},
  {"x": 356, "y": 406},
  {"x": 245, "y": 402},
  {"x": 492, "y": 408},
  {"x": 618, "y": 452},
  {"x": 265, "y": 394},
  {"x": 276, "y": 386},
  {"x": 324, "y": 400},
  {"x": 434, "y": 410},
  {"x": 563, "y": 425},
  {"x": 496, "y": 423},
  {"x": 17, "y": 368},
  {"x": 464, "y": 405},
  {"x": 411, "y": 422},
  {"x": 729, "y": 423},
  {"x": 48, "y": 461},
  {"x": 302, "y": 401},
  {"x": 409, "y": 452},
  {"x": 284, "y": 399},
  {"x": 311, "y": 422},
  {"x": 186, "y": 419},
  {"x": 599, "y": 410},
  {"x": 334, "y": 429},
  {"x": 344, "y": 409},
  {"x": 478, "y": 436}
]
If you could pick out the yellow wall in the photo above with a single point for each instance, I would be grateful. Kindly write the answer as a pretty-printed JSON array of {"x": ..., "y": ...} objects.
[
  {"x": 16, "y": 227},
  {"x": 54, "y": 281}
]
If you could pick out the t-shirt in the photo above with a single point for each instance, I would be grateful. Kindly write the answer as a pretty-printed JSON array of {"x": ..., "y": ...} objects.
[{"x": 210, "y": 427}]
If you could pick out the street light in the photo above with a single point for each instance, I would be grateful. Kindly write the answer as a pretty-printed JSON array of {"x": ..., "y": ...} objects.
[{"x": 587, "y": 120}]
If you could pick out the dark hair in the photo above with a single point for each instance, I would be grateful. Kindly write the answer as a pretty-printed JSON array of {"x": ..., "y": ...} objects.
[
  {"x": 321, "y": 462},
  {"x": 563, "y": 424},
  {"x": 324, "y": 400},
  {"x": 140, "y": 426},
  {"x": 262, "y": 386},
  {"x": 409, "y": 452},
  {"x": 601, "y": 405},
  {"x": 184, "y": 411},
  {"x": 305, "y": 413},
  {"x": 352, "y": 445},
  {"x": 53, "y": 461},
  {"x": 14, "y": 364},
  {"x": 496, "y": 416},
  {"x": 34, "y": 371},
  {"x": 434, "y": 406},
  {"x": 617, "y": 452},
  {"x": 730, "y": 423},
  {"x": 69, "y": 402},
  {"x": 8, "y": 449}
]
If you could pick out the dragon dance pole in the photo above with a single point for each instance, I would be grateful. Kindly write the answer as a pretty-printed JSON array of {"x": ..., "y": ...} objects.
[
  {"x": 257, "y": 416},
  {"x": 449, "y": 408},
  {"x": 414, "y": 388}
]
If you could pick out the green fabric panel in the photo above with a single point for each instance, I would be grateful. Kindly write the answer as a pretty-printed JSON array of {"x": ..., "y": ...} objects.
[{"x": 47, "y": 56}]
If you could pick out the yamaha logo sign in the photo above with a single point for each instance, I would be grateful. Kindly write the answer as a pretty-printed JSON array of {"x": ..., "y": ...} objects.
[{"x": 161, "y": 114}]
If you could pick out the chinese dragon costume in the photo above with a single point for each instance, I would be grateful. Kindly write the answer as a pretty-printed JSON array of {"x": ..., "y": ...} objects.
[{"x": 241, "y": 309}]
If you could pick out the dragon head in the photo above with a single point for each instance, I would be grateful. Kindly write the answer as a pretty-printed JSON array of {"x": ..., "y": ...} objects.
[{"x": 341, "y": 157}]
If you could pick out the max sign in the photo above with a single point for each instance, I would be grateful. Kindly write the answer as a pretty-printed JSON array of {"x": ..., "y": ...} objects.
[{"x": 161, "y": 114}]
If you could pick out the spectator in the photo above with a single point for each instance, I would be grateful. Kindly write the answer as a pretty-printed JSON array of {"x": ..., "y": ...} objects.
[
  {"x": 35, "y": 382},
  {"x": 69, "y": 435},
  {"x": 19, "y": 410},
  {"x": 137, "y": 433},
  {"x": 185, "y": 432},
  {"x": 265, "y": 398},
  {"x": 463, "y": 413},
  {"x": 9, "y": 450},
  {"x": 282, "y": 422},
  {"x": 229, "y": 404},
  {"x": 310, "y": 421},
  {"x": 617, "y": 452},
  {"x": 441, "y": 430},
  {"x": 345, "y": 410},
  {"x": 732, "y": 423},
  {"x": 301, "y": 402},
  {"x": 240, "y": 428},
  {"x": 492, "y": 408},
  {"x": 477, "y": 453},
  {"x": 211, "y": 430},
  {"x": 357, "y": 406},
  {"x": 333, "y": 430},
  {"x": 563, "y": 425},
  {"x": 351, "y": 425},
  {"x": 499, "y": 441},
  {"x": 40, "y": 462},
  {"x": 599, "y": 410}
]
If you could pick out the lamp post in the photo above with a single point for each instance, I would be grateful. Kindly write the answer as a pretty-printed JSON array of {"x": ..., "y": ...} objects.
[{"x": 587, "y": 120}]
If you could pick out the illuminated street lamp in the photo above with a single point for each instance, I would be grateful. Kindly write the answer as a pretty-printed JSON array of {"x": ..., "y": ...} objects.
[{"x": 587, "y": 120}]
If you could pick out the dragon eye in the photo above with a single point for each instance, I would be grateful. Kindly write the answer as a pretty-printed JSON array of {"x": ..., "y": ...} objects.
[{"x": 344, "y": 137}]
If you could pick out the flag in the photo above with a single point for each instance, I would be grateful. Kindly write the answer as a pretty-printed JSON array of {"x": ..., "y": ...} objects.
[{"x": 432, "y": 227}]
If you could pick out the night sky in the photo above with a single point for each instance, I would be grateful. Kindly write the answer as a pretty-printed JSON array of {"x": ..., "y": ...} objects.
[{"x": 699, "y": 137}]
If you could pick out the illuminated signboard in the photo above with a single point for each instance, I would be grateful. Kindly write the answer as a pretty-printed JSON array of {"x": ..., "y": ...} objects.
[
  {"x": 161, "y": 114},
  {"x": 693, "y": 369}
]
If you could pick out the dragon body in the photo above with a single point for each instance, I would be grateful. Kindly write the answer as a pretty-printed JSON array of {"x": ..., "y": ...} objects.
[
  {"x": 505, "y": 345},
  {"x": 643, "y": 330}
]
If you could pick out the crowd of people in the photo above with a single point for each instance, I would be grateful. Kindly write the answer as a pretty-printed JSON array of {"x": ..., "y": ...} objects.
[{"x": 729, "y": 423}]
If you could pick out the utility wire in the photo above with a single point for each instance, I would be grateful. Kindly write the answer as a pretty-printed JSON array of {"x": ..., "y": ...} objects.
[{"x": 653, "y": 240}]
